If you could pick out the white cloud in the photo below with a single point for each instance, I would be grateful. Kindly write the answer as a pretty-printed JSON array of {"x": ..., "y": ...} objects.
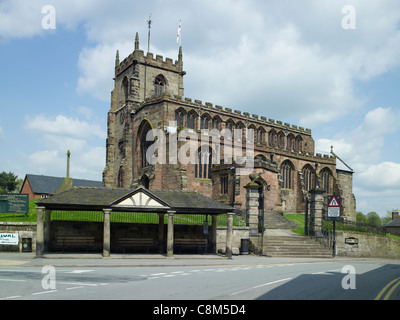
[
  {"x": 46, "y": 162},
  {"x": 381, "y": 175},
  {"x": 98, "y": 81},
  {"x": 61, "y": 133},
  {"x": 363, "y": 145},
  {"x": 64, "y": 126}
]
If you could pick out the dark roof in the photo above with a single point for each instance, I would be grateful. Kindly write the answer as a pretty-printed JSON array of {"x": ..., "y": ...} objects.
[
  {"x": 47, "y": 185},
  {"x": 80, "y": 198},
  {"x": 187, "y": 200},
  {"x": 393, "y": 223}
]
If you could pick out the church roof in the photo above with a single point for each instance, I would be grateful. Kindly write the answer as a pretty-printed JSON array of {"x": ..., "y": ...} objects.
[
  {"x": 140, "y": 200},
  {"x": 47, "y": 184}
]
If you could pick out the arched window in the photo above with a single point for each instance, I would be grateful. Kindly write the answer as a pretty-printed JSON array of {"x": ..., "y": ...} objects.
[
  {"x": 260, "y": 135},
  {"x": 238, "y": 126},
  {"x": 298, "y": 144},
  {"x": 191, "y": 120},
  {"x": 120, "y": 182},
  {"x": 179, "y": 116},
  {"x": 290, "y": 142},
  {"x": 229, "y": 125},
  {"x": 144, "y": 144},
  {"x": 204, "y": 120},
  {"x": 272, "y": 138},
  {"x": 281, "y": 140},
  {"x": 215, "y": 123},
  {"x": 308, "y": 177},
  {"x": 203, "y": 162},
  {"x": 159, "y": 85},
  {"x": 251, "y": 133},
  {"x": 287, "y": 174},
  {"x": 325, "y": 175}
]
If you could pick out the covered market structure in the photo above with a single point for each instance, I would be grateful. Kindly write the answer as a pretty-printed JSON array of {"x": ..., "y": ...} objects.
[{"x": 140, "y": 200}]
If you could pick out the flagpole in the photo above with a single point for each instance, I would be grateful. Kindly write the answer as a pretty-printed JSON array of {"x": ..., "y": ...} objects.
[
  {"x": 180, "y": 33},
  {"x": 149, "y": 22}
]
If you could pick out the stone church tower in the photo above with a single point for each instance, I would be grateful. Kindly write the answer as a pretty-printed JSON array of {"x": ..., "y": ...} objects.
[{"x": 138, "y": 78}]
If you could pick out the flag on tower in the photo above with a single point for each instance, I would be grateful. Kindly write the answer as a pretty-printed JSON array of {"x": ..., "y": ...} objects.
[{"x": 178, "y": 37}]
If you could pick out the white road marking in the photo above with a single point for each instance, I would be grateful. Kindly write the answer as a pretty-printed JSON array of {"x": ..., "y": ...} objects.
[
  {"x": 12, "y": 280},
  {"x": 79, "y": 271},
  {"x": 13, "y": 297},
  {"x": 79, "y": 284},
  {"x": 259, "y": 286},
  {"x": 44, "y": 292},
  {"x": 327, "y": 272}
]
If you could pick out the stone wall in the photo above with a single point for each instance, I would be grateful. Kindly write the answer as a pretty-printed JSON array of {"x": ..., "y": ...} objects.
[
  {"x": 24, "y": 229},
  {"x": 354, "y": 244},
  {"x": 238, "y": 234}
]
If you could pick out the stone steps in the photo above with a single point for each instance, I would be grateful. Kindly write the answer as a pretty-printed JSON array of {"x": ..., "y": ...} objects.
[{"x": 294, "y": 246}]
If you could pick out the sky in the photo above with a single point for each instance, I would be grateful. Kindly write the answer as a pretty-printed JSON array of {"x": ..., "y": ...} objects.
[{"x": 331, "y": 66}]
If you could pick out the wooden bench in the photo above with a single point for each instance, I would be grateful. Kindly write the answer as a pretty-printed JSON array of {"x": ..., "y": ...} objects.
[
  {"x": 136, "y": 242},
  {"x": 199, "y": 244},
  {"x": 75, "y": 241}
]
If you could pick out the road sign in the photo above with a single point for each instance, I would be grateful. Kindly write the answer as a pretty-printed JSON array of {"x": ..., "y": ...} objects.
[
  {"x": 334, "y": 208},
  {"x": 333, "y": 202}
]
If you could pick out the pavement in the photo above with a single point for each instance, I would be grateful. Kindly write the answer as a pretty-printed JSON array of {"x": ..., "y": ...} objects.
[{"x": 30, "y": 259}]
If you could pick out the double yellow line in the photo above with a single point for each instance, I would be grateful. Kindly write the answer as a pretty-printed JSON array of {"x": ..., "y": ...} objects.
[{"x": 395, "y": 283}]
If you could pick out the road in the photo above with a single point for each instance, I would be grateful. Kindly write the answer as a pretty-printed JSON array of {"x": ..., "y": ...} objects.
[{"x": 259, "y": 279}]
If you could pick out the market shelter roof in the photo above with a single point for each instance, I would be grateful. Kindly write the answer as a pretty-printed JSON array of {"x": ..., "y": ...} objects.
[{"x": 140, "y": 200}]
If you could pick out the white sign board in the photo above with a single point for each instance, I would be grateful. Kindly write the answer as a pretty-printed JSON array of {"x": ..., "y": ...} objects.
[
  {"x": 9, "y": 238},
  {"x": 333, "y": 212}
]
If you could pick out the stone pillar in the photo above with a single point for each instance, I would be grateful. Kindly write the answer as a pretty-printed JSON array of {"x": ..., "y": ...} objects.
[
  {"x": 170, "y": 235},
  {"x": 107, "y": 233},
  {"x": 161, "y": 232},
  {"x": 316, "y": 211},
  {"x": 252, "y": 204},
  {"x": 229, "y": 235},
  {"x": 40, "y": 231},
  {"x": 214, "y": 234},
  {"x": 47, "y": 219}
]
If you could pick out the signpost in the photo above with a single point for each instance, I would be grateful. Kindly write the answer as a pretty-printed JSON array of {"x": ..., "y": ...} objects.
[
  {"x": 334, "y": 205},
  {"x": 14, "y": 203}
]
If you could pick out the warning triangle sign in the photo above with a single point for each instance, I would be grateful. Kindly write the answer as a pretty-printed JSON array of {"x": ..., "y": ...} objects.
[{"x": 333, "y": 203}]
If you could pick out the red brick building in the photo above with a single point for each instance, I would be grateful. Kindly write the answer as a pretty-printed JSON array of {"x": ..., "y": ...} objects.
[{"x": 149, "y": 94}]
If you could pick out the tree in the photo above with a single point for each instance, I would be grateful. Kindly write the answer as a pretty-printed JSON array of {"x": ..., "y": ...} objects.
[
  {"x": 387, "y": 218},
  {"x": 361, "y": 218},
  {"x": 373, "y": 219},
  {"x": 8, "y": 182}
]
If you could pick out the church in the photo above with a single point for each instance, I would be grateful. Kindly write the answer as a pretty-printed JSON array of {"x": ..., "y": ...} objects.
[{"x": 148, "y": 94}]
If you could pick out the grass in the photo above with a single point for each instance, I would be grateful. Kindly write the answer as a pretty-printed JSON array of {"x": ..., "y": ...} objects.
[
  {"x": 299, "y": 219},
  {"x": 123, "y": 217}
]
